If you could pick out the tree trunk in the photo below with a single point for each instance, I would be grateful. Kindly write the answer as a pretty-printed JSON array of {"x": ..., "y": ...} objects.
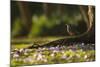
[{"x": 26, "y": 17}]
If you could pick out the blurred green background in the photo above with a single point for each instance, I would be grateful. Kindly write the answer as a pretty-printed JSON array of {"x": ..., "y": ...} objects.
[{"x": 35, "y": 19}]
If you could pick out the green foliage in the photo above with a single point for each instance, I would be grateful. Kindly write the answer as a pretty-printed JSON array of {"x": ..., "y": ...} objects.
[
  {"x": 43, "y": 23},
  {"x": 37, "y": 24},
  {"x": 16, "y": 27}
]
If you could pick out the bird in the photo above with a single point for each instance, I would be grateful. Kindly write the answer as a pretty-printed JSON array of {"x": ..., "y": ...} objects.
[{"x": 69, "y": 30}]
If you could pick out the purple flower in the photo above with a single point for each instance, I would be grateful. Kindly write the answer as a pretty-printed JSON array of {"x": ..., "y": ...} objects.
[
  {"x": 15, "y": 55},
  {"x": 64, "y": 57},
  {"x": 51, "y": 48},
  {"x": 39, "y": 57},
  {"x": 28, "y": 60},
  {"x": 21, "y": 50}
]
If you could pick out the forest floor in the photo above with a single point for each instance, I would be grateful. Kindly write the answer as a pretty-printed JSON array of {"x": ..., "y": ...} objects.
[{"x": 59, "y": 54}]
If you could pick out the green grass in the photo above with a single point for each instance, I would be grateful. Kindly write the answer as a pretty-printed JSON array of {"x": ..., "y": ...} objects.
[{"x": 19, "y": 46}]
